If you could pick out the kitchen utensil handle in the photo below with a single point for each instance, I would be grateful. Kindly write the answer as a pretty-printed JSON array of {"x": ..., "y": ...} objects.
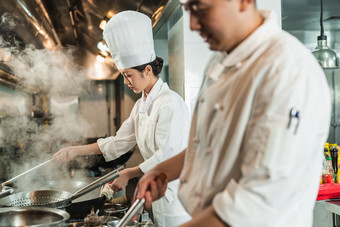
[
  {"x": 27, "y": 171},
  {"x": 97, "y": 183},
  {"x": 135, "y": 207},
  {"x": 7, "y": 192}
]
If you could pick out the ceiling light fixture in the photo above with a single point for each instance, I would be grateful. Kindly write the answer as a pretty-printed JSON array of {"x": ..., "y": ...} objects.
[
  {"x": 100, "y": 58},
  {"x": 106, "y": 19},
  {"x": 104, "y": 53},
  {"x": 102, "y": 46},
  {"x": 325, "y": 56}
]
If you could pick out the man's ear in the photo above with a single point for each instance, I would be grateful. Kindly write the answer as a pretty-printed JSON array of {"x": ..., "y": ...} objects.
[{"x": 245, "y": 4}]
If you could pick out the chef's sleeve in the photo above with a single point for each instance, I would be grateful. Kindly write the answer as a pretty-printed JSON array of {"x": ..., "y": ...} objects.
[
  {"x": 170, "y": 135},
  {"x": 114, "y": 146}
]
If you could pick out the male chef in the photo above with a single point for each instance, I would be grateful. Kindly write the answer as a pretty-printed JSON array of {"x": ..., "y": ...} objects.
[{"x": 261, "y": 119}]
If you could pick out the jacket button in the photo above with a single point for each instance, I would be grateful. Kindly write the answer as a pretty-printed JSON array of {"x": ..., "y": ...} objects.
[
  {"x": 196, "y": 139},
  {"x": 201, "y": 99},
  {"x": 197, "y": 194},
  {"x": 183, "y": 181},
  {"x": 218, "y": 106},
  {"x": 208, "y": 150},
  {"x": 238, "y": 65}
]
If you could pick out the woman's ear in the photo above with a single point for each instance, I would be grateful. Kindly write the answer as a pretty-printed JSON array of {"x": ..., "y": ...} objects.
[{"x": 148, "y": 70}]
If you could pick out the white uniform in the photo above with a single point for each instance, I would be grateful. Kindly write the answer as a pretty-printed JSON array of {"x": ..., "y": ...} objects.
[
  {"x": 257, "y": 134},
  {"x": 159, "y": 125}
]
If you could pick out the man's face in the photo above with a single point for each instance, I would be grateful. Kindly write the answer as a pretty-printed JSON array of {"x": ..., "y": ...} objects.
[{"x": 217, "y": 21}]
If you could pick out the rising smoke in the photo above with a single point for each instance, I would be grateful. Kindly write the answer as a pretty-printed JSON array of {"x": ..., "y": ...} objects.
[{"x": 47, "y": 79}]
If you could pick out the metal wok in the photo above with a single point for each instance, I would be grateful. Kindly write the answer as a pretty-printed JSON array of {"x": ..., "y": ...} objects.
[
  {"x": 81, "y": 206},
  {"x": 79, "y": 210},
  {"x": 32, "y": 217},
  {"x": 66, "y": 185},
  {"x": 54, "y": 198}
]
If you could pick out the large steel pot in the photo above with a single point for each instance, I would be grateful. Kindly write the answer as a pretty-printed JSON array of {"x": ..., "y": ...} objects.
[{"x": 32, "y": 217}]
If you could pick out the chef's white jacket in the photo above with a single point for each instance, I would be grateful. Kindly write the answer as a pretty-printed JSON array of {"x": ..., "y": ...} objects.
[
  {"x": 159, "y": 125},
  {"x": 257, "y": 134}
]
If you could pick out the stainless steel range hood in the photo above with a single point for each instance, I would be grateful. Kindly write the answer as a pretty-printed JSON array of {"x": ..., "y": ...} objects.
[{"x": 46, "y": 24}]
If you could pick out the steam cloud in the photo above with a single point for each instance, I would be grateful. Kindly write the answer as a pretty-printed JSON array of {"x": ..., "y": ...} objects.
[{"x": 50, "y": 82}]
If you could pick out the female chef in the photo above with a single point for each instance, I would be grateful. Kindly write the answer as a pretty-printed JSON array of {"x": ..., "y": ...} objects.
[{"x": 158, "y": 122}]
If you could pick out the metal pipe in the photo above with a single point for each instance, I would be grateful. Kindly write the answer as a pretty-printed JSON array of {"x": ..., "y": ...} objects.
[
  {"x": 12, "y": 85},
  {"x": 8, "y": 79},
  {"x": 43, "y": 9},
  {"x": 118, "y": 85},
  {"x": 334, "y": 106},
  {"x": 32, "y": 19},
  {"x": 108, "y": 104},
  {"x": 71, "y": 11},
  {"x": 140, "y": 5}
]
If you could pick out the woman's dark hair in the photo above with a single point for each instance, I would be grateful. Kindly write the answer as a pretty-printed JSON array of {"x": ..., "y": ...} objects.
[{"x": 156, "y": 66}]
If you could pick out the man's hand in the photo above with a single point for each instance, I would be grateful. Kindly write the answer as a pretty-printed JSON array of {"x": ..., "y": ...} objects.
[{"x": 151, "y": 186}]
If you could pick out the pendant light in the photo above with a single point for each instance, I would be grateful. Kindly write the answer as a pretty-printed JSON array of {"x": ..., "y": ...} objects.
[{"x": 325, "y": 56}]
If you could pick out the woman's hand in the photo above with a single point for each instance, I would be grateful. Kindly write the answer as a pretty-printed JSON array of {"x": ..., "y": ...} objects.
[
  {"x": 151, "y": 186},
  {"x": 69, "y": 153},
  {"x": 120, "y": 182},
  {"x": 65, "y": 154}
]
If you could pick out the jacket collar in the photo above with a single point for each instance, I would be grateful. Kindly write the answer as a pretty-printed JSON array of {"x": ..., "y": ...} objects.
[
  {"x": 254, "y": 41},
  {"x": 148, "y": 100}
]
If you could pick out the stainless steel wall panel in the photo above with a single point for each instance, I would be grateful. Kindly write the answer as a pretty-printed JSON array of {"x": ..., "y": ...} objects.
[{"x": 333, "y": 79}]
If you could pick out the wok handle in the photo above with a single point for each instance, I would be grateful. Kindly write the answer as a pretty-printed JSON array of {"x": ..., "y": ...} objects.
[
  {"x": 97, "y": 183},
  {"x": 137, "y": 206},
  {"x": 131, "y": 213},
  {"x": 27, "y": 171},
  {"x": 6, "y": 191}
]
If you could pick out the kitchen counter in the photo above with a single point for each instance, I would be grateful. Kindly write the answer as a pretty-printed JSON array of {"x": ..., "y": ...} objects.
[
  {"x": 333, "y": 206},
  {"x": 327, "y": 213}
]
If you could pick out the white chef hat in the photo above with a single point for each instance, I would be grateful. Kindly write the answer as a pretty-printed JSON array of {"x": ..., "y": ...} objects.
[{"x": 128, "y": 36}]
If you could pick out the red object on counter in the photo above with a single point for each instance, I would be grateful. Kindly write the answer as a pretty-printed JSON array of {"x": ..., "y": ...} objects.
[
  {"x": 328, "y": 191},
  {"x": 329, "y": 178}
]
